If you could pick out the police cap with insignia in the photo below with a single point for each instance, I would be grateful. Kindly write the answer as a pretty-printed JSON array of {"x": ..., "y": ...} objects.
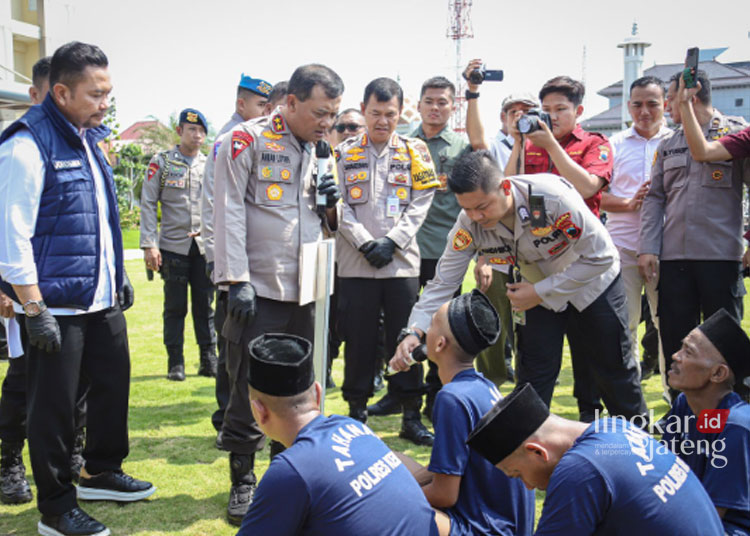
[
  {"x": 474, "y": 321},
  {"x": 280, "y": 364},
  {"x": 194, "y": 117},
  {"x": 508, "y": 424},
  {"x": 256, "y": 85},
  {"x": 730, "y": 340}
]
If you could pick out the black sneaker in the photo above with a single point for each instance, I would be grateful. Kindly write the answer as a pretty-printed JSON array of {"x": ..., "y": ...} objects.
[
  {"x": 114, "y": 486},
  {"x": 75, "y": 522},
  {"x": 176, "y": 373},
  {"x": 240, "y": 499}
]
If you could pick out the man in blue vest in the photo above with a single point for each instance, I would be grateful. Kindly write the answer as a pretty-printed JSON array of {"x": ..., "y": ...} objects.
[{"x": 62, "y": 265}]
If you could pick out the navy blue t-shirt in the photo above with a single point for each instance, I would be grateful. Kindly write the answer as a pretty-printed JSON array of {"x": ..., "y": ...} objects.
[
  {"x": 720, "y": 461},
  {"x": 617, "y": 480},
  {"x": 488, "y": 501},
  {"x": 338, "y": 479}
]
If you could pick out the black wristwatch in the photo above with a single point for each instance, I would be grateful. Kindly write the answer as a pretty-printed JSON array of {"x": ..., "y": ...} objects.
[
  {"x": 405, "y": 332},
  {"x": 34, "y": 308},
  {"x": 471, "y": 95}
]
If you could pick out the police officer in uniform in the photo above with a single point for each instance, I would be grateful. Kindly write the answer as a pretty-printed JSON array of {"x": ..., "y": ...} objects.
[
  {"x": 565, "y": 268},
  {"x": 390, "y": 182},
  {"x": 691, "y": 225},
  {"x": 175, "y": 179},
  {"x": 336, "y": 477},
  {"x": 265, "y": 209},
  {"x": 252, "y": 98}
]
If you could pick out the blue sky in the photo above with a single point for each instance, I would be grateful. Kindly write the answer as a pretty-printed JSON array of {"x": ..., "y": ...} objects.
[{"x": 166, "y": 55}]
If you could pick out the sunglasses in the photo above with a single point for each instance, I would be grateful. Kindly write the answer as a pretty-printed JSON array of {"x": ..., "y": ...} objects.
[{"x": 351, "y": 127}]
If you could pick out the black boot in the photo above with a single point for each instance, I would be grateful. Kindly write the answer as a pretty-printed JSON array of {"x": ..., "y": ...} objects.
[
  {"x": 429, "y": 403},
  {"x": 358, "y": 410},
  {"x": 76, "y": 456},
  {"x": 243, "y": 486},
  {"x": 208, "y": 361},
  {"x": 388, "y": 405},
  {"x": 14, "y": 488},
  {"x": 411, "y": 425},
  {"x": 176, "y": 364}
]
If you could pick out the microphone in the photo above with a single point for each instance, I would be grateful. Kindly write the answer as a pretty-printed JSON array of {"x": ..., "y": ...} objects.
[
  {"x": 323, "y": 153},
  {"x": 417, "y": 355}
]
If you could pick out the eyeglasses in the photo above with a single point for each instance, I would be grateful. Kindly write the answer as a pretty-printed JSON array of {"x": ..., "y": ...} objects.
[{"x": 351, "y": 127}]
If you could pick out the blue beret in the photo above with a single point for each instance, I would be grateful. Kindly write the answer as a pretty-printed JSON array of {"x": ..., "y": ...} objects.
[
  {"x": 193, "y": 116},
  {"x": 256, "y": 85}
]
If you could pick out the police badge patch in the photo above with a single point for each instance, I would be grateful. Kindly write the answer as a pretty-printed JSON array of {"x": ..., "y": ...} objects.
[
  {"x": 240, "y": 141},
  {"x": 462, "y": 240}
]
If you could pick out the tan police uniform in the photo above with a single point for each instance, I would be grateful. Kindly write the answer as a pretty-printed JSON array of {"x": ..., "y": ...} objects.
[
  {"x": 575, "y": 270},
  {"x": 692, "y": 220},
  {"x": 264, "y": 211},
  {"x": 176, "y": 181},
  {"x": 386, "y": 193}
]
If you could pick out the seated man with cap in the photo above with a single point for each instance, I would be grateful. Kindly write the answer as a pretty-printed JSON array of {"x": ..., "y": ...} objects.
[
  {"x": 709, "y": 424},
  {"x": 478, "y": 498},
  {"x": 605, "y": 478},
  {"x": 335, "y": 477}
]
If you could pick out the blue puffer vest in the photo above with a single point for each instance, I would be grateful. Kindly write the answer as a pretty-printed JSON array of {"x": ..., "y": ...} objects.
[{"x": 66, "y": 240}]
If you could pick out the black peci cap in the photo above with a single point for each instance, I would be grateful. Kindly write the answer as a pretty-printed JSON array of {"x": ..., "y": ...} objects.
[
  {"x": 474, "y": 321},
  {"x": 730, "y": 340},
  {"x": 508, "y": 424},
  {"x": 280, "y": 364}
]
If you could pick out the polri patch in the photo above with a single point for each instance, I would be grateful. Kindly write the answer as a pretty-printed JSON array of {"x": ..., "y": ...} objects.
[
  {"x": 462, "y": 240},
  {"x": 356, "y": 192},
  {"x": 566, "y": 225},
  {"x": 285, "y": 174},
  {"x": 153, "y": 167},
  {"x": 241, "y": 140}
]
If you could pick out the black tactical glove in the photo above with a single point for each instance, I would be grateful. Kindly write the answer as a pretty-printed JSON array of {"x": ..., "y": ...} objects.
[
  {"x": 126, "y": 295},
  {"x": 380, "y": 252},
  {"x": 327, "y": 186},
  {"x": 44, "y": 331},
  {"x": 241, "y": 303},
  {"x": 210, "y": 271}
]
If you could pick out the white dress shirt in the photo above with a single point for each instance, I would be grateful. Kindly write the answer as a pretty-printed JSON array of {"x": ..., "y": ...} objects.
[{"x": 633, "y": 156}]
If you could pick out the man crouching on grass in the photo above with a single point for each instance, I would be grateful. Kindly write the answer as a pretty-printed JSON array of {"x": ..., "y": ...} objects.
[{"x": 477, "y": 497}]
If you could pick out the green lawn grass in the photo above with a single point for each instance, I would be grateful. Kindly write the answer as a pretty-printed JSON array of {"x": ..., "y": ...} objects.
[
  {"x": 172, "y": 439},
  {"x": 131, "y": 238}
]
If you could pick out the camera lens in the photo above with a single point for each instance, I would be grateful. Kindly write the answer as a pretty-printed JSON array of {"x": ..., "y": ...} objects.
[
  {"x": 525, "y": 124},
  {"x": 476, "y": 76}
]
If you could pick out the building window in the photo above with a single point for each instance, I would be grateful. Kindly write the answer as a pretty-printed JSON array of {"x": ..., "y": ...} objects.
[{"x": 738, "y": 102}]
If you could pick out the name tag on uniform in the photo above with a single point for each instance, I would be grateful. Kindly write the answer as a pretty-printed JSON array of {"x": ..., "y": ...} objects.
[{"x": 392, "y": 206}]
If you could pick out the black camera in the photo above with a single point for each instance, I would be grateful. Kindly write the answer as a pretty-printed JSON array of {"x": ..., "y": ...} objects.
[
  {"x": 477, "y": 76},
  {"x": 529, "y": 122}
]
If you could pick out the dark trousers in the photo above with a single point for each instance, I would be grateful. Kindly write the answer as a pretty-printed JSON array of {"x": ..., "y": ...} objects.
[
  {"x": 95, "y": 347},
  {"x": 601, "y": 338},
  {"x": 178, "y": 271},
  {"x": 13, "y": 403},
  {"x": 222, "y": 376},
  {"x": 240, "y": 433},
  {"x": 691, "y": 289},
  {"x": 360, "y": 302},
  {"x": 426, "y": 273}
]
